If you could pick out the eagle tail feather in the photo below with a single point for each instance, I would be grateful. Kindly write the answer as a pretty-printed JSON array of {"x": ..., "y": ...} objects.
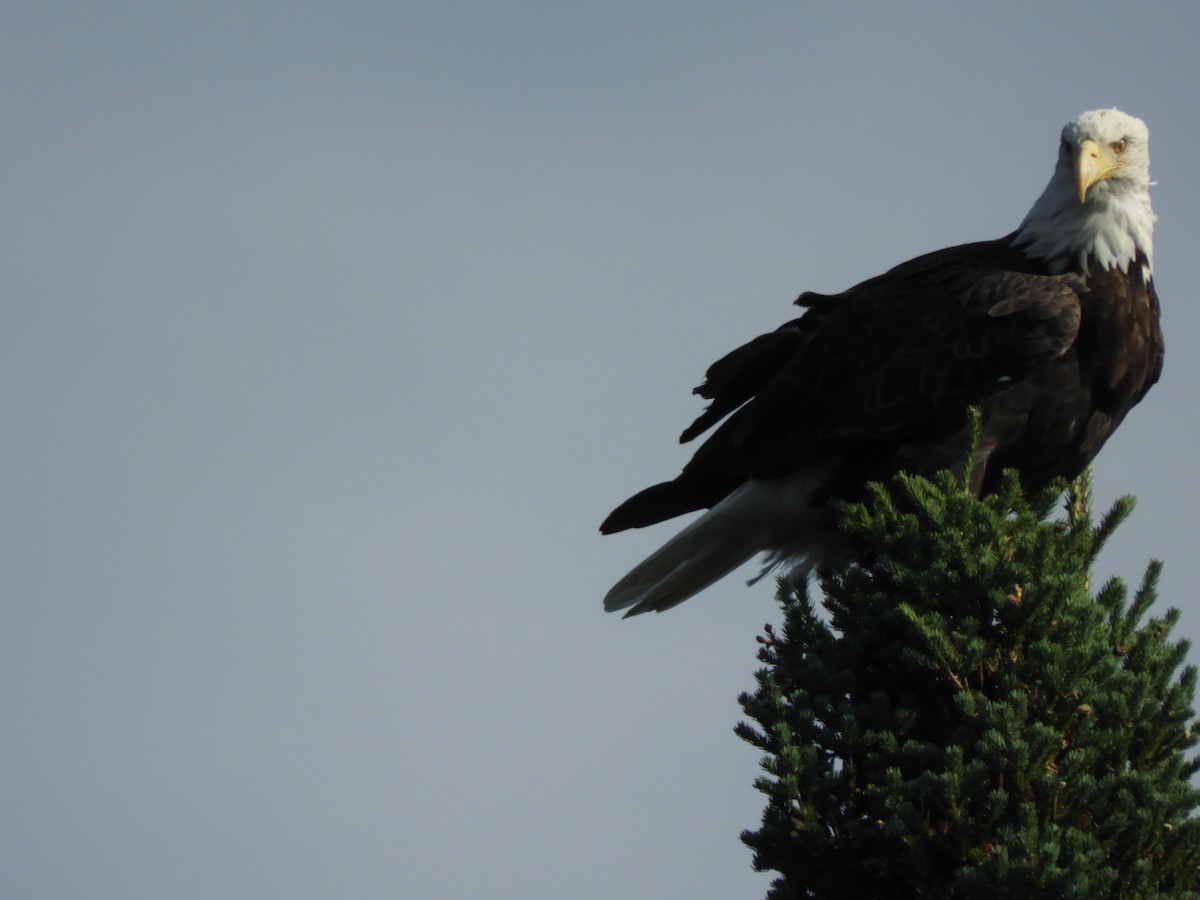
[
  {"x": 702, "y": 553},
  {"x": 776, "y": 517}
]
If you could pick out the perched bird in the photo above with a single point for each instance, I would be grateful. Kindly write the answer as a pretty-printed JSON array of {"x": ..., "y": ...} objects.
[{"x": 1052, "y": 333}]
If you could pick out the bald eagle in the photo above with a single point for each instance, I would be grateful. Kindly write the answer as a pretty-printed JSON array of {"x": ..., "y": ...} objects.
[{"x": 1051, "y": 332}]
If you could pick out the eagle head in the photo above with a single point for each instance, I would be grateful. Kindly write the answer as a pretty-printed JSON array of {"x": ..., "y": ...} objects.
[{"x": 1095, "y": 212}]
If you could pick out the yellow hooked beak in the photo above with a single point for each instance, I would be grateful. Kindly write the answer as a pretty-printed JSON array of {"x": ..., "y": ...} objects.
[{"x": 1094, "y": 163}]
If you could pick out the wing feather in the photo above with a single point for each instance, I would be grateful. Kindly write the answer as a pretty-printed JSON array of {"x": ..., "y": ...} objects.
[{"x": 897, "y": 357}]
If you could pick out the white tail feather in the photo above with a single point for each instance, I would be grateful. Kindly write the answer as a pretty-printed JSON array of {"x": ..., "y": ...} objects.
[
  {"x": 771, "y": 516},
  {"x": 705, "y": 551}
]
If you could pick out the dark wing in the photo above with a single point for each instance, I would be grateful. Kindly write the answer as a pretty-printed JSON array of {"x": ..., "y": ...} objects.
[
  {"x": 875, "y": 373},
  {"x": 1120, "y": 351}
]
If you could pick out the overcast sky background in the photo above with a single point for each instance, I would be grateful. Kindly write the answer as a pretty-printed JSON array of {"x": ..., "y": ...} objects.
[{"x": 331, "y": 332}]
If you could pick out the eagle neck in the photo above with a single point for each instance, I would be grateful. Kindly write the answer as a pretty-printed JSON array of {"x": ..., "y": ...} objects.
[{"x": 1112, "y": 229}]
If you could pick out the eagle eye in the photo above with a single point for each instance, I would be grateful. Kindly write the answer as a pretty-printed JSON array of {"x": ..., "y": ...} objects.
[{"x": 1118, "y": 147}]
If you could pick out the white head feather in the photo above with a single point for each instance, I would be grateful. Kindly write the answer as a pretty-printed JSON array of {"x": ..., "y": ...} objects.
[{"x": 1114, "y": 221}]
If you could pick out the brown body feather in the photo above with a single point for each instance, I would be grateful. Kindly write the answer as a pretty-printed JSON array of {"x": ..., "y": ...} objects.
[{"x": 880, "y": 378}]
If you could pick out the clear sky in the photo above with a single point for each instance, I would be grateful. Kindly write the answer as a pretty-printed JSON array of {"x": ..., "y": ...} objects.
[{"x": 331, "y": 332}]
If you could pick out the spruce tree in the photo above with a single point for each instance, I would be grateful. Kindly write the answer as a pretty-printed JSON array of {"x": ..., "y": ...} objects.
[{"x": 967, "y": 718}]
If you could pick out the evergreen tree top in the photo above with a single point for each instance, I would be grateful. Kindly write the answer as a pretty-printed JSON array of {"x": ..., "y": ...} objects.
[{"x": 968, "y": 718}]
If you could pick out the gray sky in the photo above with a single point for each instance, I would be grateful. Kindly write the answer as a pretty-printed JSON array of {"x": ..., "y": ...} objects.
[{"x": 330, "y": 335}]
